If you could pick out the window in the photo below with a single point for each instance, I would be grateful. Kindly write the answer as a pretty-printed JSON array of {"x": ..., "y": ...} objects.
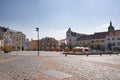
[
  {"x": 102, "y": 40},
  {"x": 113, "y": 44},
  {"x": 83, "y": 42},
  {"x": 118, "y": 38},
  {"x": 92, "y": 41},
  {"x": 79, "y": 42},
  {"x": 108, "y": 39},
  {"x": 97, "y": 40},
  {"x": 118, "y": 43},
  {"x": 16, "y": 39},
  {"x": 113, "y": 38}
]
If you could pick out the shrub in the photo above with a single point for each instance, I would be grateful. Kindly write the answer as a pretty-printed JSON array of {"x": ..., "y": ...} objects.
[{"x": 6, "y": 50}]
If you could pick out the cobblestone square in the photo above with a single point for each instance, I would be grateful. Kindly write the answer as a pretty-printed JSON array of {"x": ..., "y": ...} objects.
[{"x": 27, "y": 65}]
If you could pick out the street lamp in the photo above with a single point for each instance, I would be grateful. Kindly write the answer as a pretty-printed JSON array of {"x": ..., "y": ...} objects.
[{"x": 37, "y": 29}]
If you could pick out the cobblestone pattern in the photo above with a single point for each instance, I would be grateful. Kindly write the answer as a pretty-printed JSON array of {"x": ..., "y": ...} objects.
[
  {"x": 5, "y": 55},
  {"x": 93, "y": 67},
  {"x": 50, "y": 64},
  {"x": 23, "y": 68}
]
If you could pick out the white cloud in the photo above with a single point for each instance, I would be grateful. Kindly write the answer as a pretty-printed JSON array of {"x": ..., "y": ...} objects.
[
  {"x": 57, "y": 34},
  {"x": 100, "y": 28}
]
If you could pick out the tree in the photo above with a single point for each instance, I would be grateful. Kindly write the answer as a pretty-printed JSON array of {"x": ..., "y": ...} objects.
[
  {"x": 91, "y": 46},
  {"x": 98, "y": 46},
  {"x": 7, "y": 48},
  {"x": 70, "y": 46},
  {"x": 62, "y": 46},
  {"x": 109, "y": 45}
]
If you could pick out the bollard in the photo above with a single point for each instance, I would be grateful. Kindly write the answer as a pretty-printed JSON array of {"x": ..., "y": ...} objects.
[
  {"x": 87, "y": 55},
  {"x": 100, "y": 54},
  {"x": 110, "y": 54},
  {"x": 65, "y": 55},
  {"x": 117, "y": 53}
]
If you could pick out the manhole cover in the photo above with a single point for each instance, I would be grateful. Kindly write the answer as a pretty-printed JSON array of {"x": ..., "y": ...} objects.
[{"x": 56, "y": 74}]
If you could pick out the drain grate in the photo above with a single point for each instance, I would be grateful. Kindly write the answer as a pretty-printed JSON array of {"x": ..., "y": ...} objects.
[{"x": 56, "y": 74}]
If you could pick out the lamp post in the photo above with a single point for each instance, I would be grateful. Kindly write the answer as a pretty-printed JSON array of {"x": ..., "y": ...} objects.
[{"x": 37, "y": 29}]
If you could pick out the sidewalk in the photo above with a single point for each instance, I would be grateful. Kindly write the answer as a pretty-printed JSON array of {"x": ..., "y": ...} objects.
[
  {"x": 48, "y": 64},
  {"x": 5, "y": 57}
]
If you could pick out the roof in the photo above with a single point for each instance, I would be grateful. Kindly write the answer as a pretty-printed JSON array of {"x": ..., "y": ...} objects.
[
  {"x": 114, "y": 33},
  {"x": 100, "y": 35},
  {"x": 86, "y": 37},
  {"x": 77, "y": 34}
]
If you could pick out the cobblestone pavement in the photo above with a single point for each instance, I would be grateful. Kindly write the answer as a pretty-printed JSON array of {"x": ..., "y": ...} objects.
[
  {"x": 28, "y": 64},
  {"x": 93, "y": 67},
  {"x": 51, "y": 65},
  {"x": 22, "y": 68},
  {"x": 5, "y": 55}
]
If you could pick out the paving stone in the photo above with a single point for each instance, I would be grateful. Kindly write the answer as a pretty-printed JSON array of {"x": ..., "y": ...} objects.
[
  {"x": 93, "y": 67},
  {"x": 57, "y": 74},
  {"x": 16, "y": 69}
]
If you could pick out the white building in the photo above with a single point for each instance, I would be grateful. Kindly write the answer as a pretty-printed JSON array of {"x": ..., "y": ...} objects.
[
  {"x": 109, "y": 39},
  {"x": 14, "y": 39},
  {"x": 72, "y": 37},
  {"x": 113, "y": 40}
]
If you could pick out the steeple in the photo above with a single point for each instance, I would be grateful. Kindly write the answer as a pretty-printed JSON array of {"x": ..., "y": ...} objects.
[
  {"x": 110, "y": 23},
  {"x": 69, "y": 30},
  {"x": 110, "y": 28}
]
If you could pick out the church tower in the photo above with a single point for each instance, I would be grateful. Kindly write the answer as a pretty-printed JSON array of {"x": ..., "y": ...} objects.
[
  {"x": 110, "y": 28},
  {"x": 69, "y": 30},
  {"x": 68, "y": 33}
]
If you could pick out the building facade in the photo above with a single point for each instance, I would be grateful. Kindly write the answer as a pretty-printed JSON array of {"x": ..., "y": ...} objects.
[
  {"x": 113, "y": 40},
  {"x": 44, "y": 44},
  {"x": 72, "y": 37},
  {"x": 107, "y": 40},
  {"x": 2, "y": 30},
  {"x": 33, "y": 45},
  {"x": 12, "y": 39}
]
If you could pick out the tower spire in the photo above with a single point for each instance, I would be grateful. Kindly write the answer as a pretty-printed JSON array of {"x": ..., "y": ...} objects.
[
  {"x": 110, "y": 23},
  {"x": 110, "y": 28},
  {"x": 69, "y": 29}
]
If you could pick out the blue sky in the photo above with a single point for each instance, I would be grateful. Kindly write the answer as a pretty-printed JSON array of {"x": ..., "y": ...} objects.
[{"x": 54, "y": 17}]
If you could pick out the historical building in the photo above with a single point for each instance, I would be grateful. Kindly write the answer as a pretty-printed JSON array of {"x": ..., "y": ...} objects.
[
  {"x": 113, "y": 40},
  {"x": 72, "y": 36},
  {"x": 14, "y": 40},
  {"x": 48, "y": 43},
  {"x": 2, "y": 30},
  {"x": 33, "y": 44},
  {"x": 44, "y": 44},
  {"x": 96, "y": 38},
  {"x": 107, "y": 40}
]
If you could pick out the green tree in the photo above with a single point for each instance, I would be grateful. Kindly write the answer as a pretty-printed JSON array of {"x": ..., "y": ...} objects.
[
  {"x": 62, "y": 46},
  {"x": 109, "y": 45},
  {"x": 70, "y": 46},
  {"x": 92, "y": 46},
  {"x": 98, "y": 46}
]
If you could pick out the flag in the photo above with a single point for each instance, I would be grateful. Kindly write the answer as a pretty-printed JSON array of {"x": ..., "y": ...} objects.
[{"x": 66, "y": 41}]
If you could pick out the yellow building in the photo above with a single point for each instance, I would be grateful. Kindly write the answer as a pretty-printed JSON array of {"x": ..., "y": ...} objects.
[
  {"x": 33, "y": 45},
  {"x": 44, "y": 44}
]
